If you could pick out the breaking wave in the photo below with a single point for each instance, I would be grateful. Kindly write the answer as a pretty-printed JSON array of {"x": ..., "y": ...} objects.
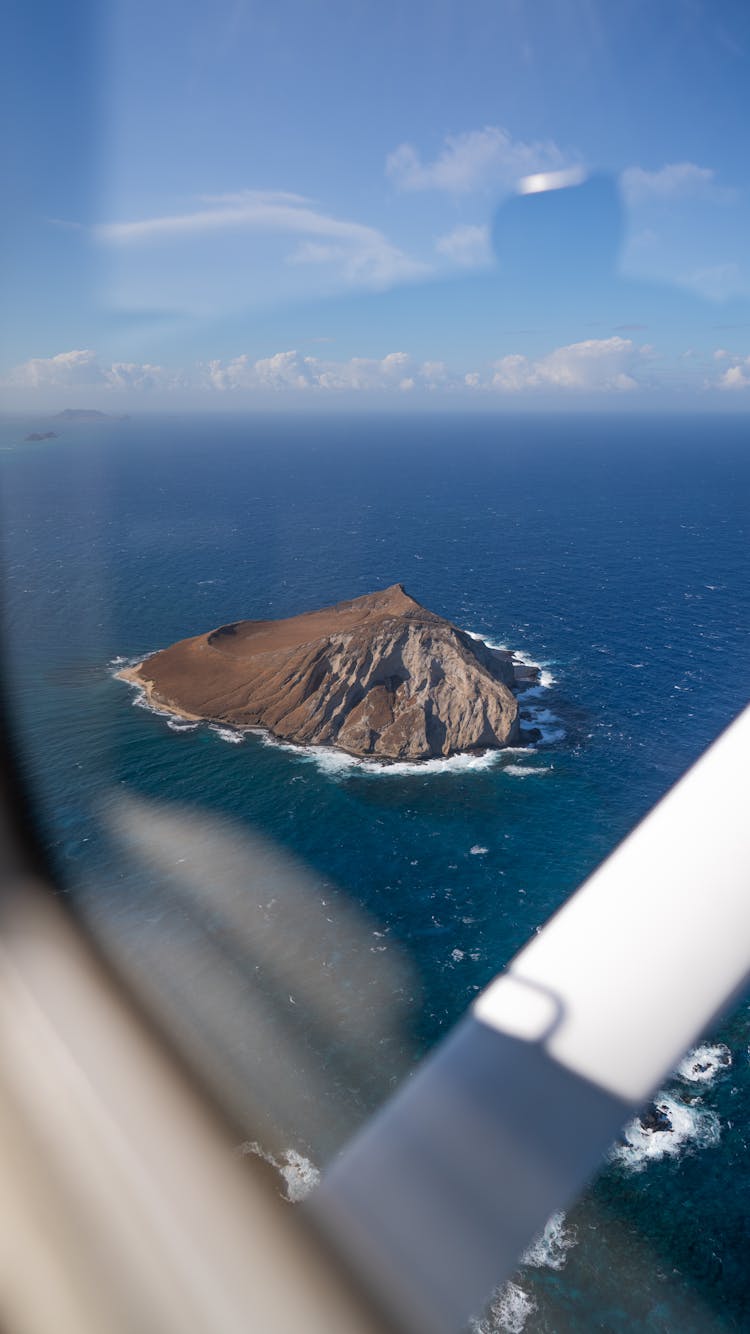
[
  {"x": 507, "y": 1313},
  {"x": 337, "y": 763},
  {"x": 541, "y": 720},
  {"x": 550, "y": 1249},
  {"x": 703, "y": 1064},
  {"x": 533, "y": 716},
  {"x": 233, "y": 735},
  {"x": 546, "y": 677},
  {"x": 666, "y": 1129},
  {"x": 526, "y": 770}
]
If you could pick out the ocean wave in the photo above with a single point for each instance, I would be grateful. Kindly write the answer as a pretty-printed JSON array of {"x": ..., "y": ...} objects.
[
  {"x": 122, "y": 661},
  {"x": 677, "y": 1126},
  {"x": 526, "y": 770},
  {"x": 297, "y": 1172},
  {"x": 231, "y": 734},
  {"x": 550, "y": 1249},
  {"x": 507, "y": 1313},
  {"x": 544, "y": 721},
  {"x": 173, "y": 721},
  {"x": 703, "y": 1064},
  {"x": 546, "y": 677},
  {"x": 140, "y": 698},
  {"x": 337, "y": 763}
]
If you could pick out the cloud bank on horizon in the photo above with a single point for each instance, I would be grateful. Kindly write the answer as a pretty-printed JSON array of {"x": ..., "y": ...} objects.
[{"x": 603, "y": 366}]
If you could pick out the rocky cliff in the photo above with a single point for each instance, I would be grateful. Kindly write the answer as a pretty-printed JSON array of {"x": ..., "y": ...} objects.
[{"x": 379, "y": 676}]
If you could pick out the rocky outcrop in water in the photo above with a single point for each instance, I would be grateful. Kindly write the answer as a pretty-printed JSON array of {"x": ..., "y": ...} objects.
[{"x": 380, "y": 676}]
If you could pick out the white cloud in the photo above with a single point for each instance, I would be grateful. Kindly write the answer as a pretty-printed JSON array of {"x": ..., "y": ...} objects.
[
  {"x": 82, "y": 367},
  {"x": 363, "y": 254},
  {"x": 596, "y": 365},
  {"x": 362, "y": 372},
  {"x": 736, "y": 376},
  {"x": 475, "y": 160},
  {"x": 675, "y": 180},
  {"x": 79, "y": 366},
  {"x": 290, "y": 370},
  {"x": 284, "y": 372},
  {"x": 467, "y": 245}
]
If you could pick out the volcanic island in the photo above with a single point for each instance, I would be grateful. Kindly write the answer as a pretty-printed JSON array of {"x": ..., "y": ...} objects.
[{"x": 379, "y": 677}]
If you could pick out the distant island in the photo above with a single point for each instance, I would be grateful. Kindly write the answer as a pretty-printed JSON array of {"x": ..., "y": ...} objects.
[
  {"x": 74, "y": 415},
  {"x": 41, "y": 435},
  {"x": 379, "y": 677}
]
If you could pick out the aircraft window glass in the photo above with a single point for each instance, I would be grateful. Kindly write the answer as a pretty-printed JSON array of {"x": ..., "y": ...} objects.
[{"x": 311, "y": 307}]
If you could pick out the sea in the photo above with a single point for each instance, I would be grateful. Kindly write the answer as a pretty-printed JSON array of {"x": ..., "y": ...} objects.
[{"x": 305, "y": 926}]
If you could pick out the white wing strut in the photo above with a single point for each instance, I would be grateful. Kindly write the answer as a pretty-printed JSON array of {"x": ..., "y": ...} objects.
[{"x": 436, "y": 1199}]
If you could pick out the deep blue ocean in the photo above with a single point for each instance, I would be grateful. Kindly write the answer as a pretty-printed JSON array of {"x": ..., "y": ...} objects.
[{"x": 611, "y": 550}]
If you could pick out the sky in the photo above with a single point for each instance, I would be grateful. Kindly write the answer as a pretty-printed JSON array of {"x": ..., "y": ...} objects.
[{"x": 494, "y": 203}]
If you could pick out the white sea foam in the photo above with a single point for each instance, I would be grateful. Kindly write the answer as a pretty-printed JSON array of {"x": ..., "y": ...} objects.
[
  {"x": 297, "y": 1172},
  {"x": 692, "y": 1126},
  {"x": 451, "y": 764},
  {"x": 141, "y": 700},
  {"x": 550, "y": 1249},
  {"x": 507, "y": 1312},
  {"x": 477, "y": 850},
  {"x": 337, "y": 763},
  {"x": 474, "y": 634},
  {"x": 703, "y": 1064},
  {"x": 546, "y": 677},
  {"x": 230, "y": 734},
  {"x": 174, "y": 721},
  {"x": 545, "y": 683},
  {"x": 545, "y": 722},
  {"x": 525, "y": 770}
]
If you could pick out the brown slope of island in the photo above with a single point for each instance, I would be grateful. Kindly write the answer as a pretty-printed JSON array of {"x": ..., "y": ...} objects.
[{"x": 379, "y": 676}]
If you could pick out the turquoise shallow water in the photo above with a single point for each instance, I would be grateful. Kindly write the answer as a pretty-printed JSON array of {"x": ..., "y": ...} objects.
[{"x": 613, "y": 552}]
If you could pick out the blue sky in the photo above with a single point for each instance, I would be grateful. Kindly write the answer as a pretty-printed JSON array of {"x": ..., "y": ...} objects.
[{"x": 241, "y": 204}]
